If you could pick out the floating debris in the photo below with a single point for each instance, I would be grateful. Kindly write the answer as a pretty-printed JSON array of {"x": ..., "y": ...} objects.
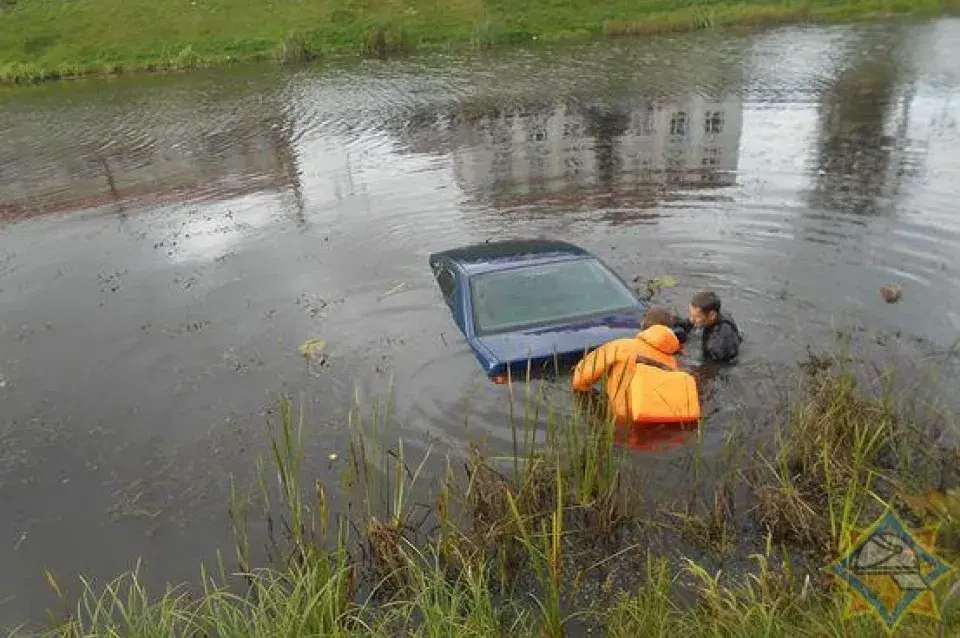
[
  {"x": 891, "y": 293},
  {"x": 392, "y": 291},
  {"x": 314, "y": 305},
  {"x": 652, "y": 287},
  {"x": 332, "y": 456},
  {"x": 667, "y": 281}
]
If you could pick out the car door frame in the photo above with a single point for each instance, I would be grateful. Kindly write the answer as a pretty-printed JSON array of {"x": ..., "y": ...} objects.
[{"x": 454, "y": 297}]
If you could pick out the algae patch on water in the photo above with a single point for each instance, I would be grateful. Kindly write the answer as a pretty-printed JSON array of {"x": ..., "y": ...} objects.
[
  {"x": 312, "y": 348},
  {"x": 314, "y": 351}
]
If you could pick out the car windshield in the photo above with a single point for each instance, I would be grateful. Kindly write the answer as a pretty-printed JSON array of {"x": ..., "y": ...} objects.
[{"x": 545, "y": 293}]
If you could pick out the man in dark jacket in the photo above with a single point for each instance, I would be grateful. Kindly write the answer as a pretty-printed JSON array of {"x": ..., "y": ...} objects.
[{"x": 721, "y": 336}]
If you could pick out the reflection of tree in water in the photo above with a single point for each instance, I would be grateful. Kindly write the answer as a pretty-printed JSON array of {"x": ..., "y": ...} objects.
[
  {"x": 606, "y": 125},
  {"x": 280, "y": 130},
  {"x": 149, "y": 149},
  {"x": 536, "y": 141},
  {"x": 856, "y": 153}
]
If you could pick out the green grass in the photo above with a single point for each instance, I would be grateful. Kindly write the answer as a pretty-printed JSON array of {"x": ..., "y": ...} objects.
[
  {"x": 508, "y": 553},
  {"x": 51, "y": 39}
]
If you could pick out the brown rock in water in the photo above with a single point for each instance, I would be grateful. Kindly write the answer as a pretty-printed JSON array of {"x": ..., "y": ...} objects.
[{"x": 891, "y": 292}]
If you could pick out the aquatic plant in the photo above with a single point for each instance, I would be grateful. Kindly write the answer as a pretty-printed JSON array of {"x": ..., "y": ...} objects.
[{"x": 295, "y": 49}]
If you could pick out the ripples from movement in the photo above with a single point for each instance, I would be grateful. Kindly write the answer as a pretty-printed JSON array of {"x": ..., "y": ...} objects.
[{"x": 168, "y": 243}]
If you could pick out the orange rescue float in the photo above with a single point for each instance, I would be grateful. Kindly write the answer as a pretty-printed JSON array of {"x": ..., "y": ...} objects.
[{"x": 644, "y": 383}]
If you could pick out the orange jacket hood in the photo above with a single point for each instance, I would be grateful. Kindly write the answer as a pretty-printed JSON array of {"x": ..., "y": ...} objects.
[{"x": 661, "y": 338}]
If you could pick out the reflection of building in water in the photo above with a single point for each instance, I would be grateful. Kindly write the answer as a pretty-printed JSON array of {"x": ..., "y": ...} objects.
[
  {"x": 156, "y": 161},
  {"x": 575, "y": 148}
]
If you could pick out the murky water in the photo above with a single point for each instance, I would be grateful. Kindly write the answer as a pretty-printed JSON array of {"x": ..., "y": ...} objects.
[{"x": 168, "y": 243}]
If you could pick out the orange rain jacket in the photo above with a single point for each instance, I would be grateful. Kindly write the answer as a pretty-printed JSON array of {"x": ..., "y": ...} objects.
[{"x": 644, "y": 383}]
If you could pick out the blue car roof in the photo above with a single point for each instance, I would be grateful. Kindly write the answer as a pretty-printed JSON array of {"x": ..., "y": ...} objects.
[{"x": 500, "y": 255}]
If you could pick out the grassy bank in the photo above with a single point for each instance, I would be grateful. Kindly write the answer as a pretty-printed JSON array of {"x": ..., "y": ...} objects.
[
  {"x": 561, "y": 534},
  {"x": 50, "y": 39}
]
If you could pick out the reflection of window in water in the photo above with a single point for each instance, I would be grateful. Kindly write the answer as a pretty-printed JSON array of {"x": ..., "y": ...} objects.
[
  {"x": 711, "y": 157},
  {"x": 675, "y": 167},
  {"x": 572, "y": 164},
  {"x": 640, "y": 166},
  {"x": 500, "y": 134},
  {"x": 710, "y": 163},
  {"x": 572, "y": 129},
  {"x": 713, "y": 122},
  {"x": 649, "y": 121},
  {"x": 537, "y": 158},
  {"x": 502, "y": 168},
  {"x": 537, "y": 131},
  {"x": 678, "y": 124},
  {"x": 642, "y": 120}
]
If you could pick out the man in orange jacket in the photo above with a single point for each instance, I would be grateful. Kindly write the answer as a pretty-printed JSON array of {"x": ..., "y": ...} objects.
[{"x": 644, "y": 383}]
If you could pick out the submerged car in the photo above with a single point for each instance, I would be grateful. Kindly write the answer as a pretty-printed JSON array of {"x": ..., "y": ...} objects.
[{"x": 536, "y": 303}]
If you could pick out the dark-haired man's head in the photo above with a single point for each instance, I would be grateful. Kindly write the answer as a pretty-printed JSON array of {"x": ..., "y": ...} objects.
[
  {"x": 704, "y": 309},
  {"x": 657, "y": 316}
]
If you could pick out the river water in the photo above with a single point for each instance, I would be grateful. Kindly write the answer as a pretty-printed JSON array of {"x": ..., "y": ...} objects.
[{"x": 169, "y": 242}]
